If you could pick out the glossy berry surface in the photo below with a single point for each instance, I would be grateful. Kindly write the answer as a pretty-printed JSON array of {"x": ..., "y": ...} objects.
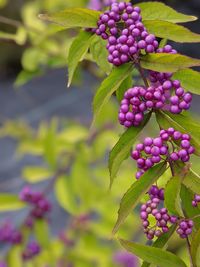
[{"x": 170, "y": 145}]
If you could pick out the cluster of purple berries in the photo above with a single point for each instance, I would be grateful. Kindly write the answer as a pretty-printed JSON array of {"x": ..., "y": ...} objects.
[
  {"x": 138, "y": 100},
  {"x": 31, "y": 250},
  {"x": 176, "y": 98},
  {"x": 123, "y": 28},
  {"x": 160, "y": 215},
  {"x": 9, "y": 234},
  {"x": 185, "y": 228},
  {"x": 196, "y": 200},
  {"x": 164, "y": 147},
  {"x": 3, "y": 264},
  {"x": 41, "y": 205}
]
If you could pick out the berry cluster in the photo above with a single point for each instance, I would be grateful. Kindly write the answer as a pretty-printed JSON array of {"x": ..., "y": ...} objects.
[
  {"x": 155, "y": 192},
  {"x": 164, "y": 147},
  {"x": 196, "y": 200},
  {"x": 161, "y": 216},
  {"x": 40, "y": 204},
  {"x": 137, "y": 100},
  {"x": 177, "y": 99},
  {"x": 31, "y": 250},
  {"x": 185, "y": 228},
  {"x": 123, "y": 28},
  {"x": 9, "y": 234}
]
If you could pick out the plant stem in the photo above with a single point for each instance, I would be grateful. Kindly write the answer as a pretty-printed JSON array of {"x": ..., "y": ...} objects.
[
  {"x": 190, "y": 254},
  {"x": 141, "y": 71}
]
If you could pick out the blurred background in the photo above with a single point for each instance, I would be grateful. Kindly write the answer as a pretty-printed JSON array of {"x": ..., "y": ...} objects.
[{"x": 39, "y": 112}]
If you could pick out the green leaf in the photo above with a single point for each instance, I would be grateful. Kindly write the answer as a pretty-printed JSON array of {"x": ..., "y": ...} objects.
[
  {"x": 161, "y": 242},
  {"x": 192, "y": 181},
  {"x": 109, "y": 86},
  {"x": 171, "y": 31},
  {"x": 172, "y": 196},
  {"x": 36, "y": 174},
  {"x": 178, "y": 122},
  {"x": 41, "y": 231},
  {"x": 160, "y": 11},
  {"x": 136, "y": 192},
  {"x": 77, "y": 51},
  {"x": 190, "y": 80},
  {"x": 9, "y": 202},
  {"x": 100, "y": 54},
  {"x": 195, "y": 248},
  {"x": 122, "y": 148},
  {"x": 153, "y": 255},
  {"x": 187, "y": 196},
  {"x": 73, "y": 17},
  {"x": 14, "y": 258},
  {"x": 164, "y": 62},
  {"x": 126, "y": 84},
  {"x": 65, "y": 195}
]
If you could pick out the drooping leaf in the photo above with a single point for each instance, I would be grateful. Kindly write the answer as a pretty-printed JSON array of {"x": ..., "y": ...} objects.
[
  {"x": 190, "y": 80},
  {"x": 109, "y": 86},
  {"x": 161, "y": 242},
  {"x": 14, "y": 258},
  {"x": 178, "y": 122},
  {"x": 192, "y": 181},
  {"x": 136, "y": 192},
  {"x": 159, "y": 11},
  {"x": 77, "y": 51},
  {"x": 195, "y": 248},
  {"x": 41, "y": 231},
  {"x": 163, "y": 62},
  {"x": 153, "y": 255},
  {"x": 171, "y": 31},
  {"x": 122, "y": 148},
  {"x": 73, "y": 17},
  {"x": 172, "y": 196},
  {"x": 187, "y": 197},
  {"x": 65, "y": 195},
  {"x": 35, "y": 174},
  {"x": 127, "y": 83},
  {"x": 100, "y": 54},
  {"x": 9, "y": 202}
]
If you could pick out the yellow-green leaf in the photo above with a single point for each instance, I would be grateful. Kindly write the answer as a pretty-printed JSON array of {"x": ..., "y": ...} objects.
[
  {"x": 36, "y": 174},
  {"x": 77, "y": 51},
  {"x": 172, "y": 196},
  {"x": 160, "y": 11},
  {"x": 73, "y": 17},
  {"x": 171, "y": 31},
  {"x": 164, "y": 62},
  {"x": 153, "y": 255},
  {"x": 10, "y": 202},
  {"x": 109, "y": 86},
  {"x": 122, "y": 148},
  {"x": 136, "y": 192},
  {"x": 190, "y": 80}
]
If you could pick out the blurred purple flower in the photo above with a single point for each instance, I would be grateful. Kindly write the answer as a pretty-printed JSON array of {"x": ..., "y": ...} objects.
[
  {"x": 3, "y": 264},
  {"x": 100, "y": 4},
  {"x": 125, "y": 259},
  {"x": 95, "y": 4}
]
